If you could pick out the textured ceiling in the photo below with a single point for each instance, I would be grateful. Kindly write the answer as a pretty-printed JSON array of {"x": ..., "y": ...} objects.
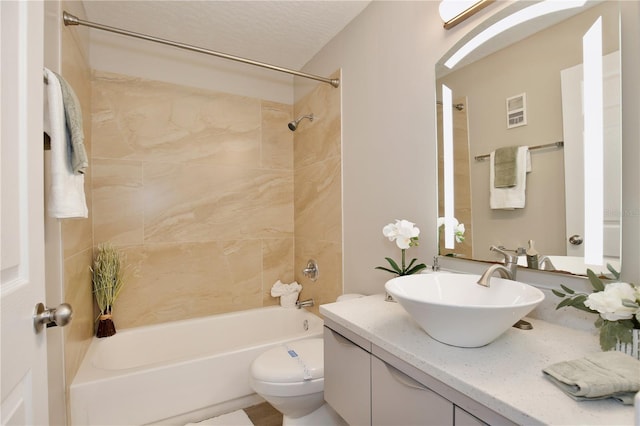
[{"x": 284, "y": 33}]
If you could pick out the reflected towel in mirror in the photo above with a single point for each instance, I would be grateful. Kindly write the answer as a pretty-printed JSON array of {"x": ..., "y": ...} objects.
[{"x": 513, "y": 197}]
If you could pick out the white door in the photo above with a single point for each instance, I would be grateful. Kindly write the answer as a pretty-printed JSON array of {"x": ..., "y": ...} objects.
[
  {"x": 572, "y": 117},
  {"x": 23, "y": 361}
]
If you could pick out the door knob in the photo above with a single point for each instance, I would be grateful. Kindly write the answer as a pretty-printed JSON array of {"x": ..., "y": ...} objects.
[
  {"x": 576, "y": 239},
  {"x": 51, "y": 317}
]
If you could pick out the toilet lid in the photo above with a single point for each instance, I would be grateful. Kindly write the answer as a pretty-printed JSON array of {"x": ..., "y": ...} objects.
[{"x": 291, "y": 362}]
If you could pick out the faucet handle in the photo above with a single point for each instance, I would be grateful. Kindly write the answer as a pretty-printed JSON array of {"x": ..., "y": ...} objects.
[{"x": 508, "y": 257}]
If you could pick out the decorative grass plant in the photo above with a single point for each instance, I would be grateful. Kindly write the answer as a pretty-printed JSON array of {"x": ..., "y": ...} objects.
[{"x": 107, "y": 283}]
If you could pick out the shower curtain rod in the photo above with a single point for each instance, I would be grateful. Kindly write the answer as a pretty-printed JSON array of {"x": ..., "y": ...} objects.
[{"x": 70, "y": 19}]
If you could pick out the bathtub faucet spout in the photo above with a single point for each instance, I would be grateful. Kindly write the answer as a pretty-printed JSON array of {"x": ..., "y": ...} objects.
[{"x": 304, "y": 303}]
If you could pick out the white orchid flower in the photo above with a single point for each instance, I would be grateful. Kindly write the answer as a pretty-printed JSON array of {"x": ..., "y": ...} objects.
[{"x": 404, "y": 233}]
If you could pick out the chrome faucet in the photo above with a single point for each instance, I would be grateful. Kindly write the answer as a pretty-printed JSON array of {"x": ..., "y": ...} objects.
[
  {"x": 304, "y": 303},
  {"x": 510, "y": 261},
  {"x": 508, "y": 270},
  {"x": 485, "y": 279},
  {"x": 545, "y": 264}
]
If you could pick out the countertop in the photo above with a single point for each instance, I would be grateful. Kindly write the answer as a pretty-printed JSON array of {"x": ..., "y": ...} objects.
[{"x": 505, "y": 376}]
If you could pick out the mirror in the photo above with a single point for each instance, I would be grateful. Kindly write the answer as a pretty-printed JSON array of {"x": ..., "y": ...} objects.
[{"x": 523, "y": 88}]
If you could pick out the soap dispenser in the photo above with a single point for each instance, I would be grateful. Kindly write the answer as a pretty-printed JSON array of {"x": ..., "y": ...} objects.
[{"x": 532, "y": 256}]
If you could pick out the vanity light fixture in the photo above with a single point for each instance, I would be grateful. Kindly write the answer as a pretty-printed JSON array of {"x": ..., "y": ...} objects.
[
  {"x": 536, "y": 10},
  {"x": 593, "y": 144},
  {"x": 447, "y": 151},
  {"x": 453, "y": 12}
]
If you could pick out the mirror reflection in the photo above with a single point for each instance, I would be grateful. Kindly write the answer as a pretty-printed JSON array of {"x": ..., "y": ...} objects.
[{"x": 528, "y": 92}]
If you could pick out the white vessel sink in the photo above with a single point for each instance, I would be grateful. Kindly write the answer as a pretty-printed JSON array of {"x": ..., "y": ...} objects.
[{"x": 454, "y": 309}]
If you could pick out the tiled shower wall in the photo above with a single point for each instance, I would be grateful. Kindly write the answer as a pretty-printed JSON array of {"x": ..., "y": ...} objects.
[
  {"x": 318, "y": 193},
  {"x": 76, "y": 235},
  {"x": 197, "y": 189}
]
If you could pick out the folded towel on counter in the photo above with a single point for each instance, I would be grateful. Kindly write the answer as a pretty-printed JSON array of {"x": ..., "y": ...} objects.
[
  {"x": 66, "y": 198},
  {"x": 505, "y": 167},
  {"x": 73, "y": 118},
  {"x": 280, "y": 289},
  {"x": 513, "y": 197},
  {"x": 601, "y": 375}
]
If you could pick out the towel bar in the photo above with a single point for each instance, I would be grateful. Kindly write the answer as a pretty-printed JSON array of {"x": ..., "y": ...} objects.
[{"x": 558, "y": 144}]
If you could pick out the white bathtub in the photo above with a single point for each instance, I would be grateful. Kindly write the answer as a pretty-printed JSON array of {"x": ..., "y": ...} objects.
[{"x": 180, "y": 371}]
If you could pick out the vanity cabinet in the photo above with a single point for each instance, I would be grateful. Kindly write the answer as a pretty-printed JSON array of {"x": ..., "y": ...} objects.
[
  {"x": 368, "y": 386},
  {"x": 347, "y": 378},
  {"x": 397, "y": 399}
]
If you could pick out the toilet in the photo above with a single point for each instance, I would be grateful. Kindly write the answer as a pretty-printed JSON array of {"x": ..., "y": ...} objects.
[{"x": 291, "y": 378}]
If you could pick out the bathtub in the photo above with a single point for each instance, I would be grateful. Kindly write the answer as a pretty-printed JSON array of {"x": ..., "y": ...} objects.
[{"x": 181, "y": 371}]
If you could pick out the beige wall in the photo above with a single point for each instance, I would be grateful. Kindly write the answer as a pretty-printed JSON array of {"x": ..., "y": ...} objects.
[
  {"x": 531, "y": 66},
  {"x": 318, "y": 193},
  {"x": 196, "y": 187}
]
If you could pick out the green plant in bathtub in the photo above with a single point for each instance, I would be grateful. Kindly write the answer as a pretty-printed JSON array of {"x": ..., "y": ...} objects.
[{"x": 108, "y": 281}]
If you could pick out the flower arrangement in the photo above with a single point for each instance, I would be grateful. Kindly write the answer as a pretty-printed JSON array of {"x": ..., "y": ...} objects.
[
  {"x": 108, "y": 281},
  {"x": 617, "y": 303},
  {"x": 405, "y": 234},
  {"x": 458, "y": 230}
]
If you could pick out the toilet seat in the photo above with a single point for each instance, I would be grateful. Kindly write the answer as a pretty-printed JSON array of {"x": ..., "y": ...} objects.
[{"x": 291, "y": 369}]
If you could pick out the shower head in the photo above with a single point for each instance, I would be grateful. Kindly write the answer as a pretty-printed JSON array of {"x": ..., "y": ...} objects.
[{"x": 293, "y": 125}]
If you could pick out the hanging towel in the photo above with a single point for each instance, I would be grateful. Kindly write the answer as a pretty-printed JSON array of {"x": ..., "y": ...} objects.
[
  {"x": 600, "y": 375},
  {"x": 73, "y": 119},
  {"x": 66, "y": 198},
  {"x": 513, "y": 197},
  {"x": 505, "y": 167}
]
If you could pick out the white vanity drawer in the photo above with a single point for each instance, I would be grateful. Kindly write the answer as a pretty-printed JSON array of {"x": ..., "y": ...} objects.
[
  {"x": 347, "y": 378},
  {"x": 397, "y": 399}
]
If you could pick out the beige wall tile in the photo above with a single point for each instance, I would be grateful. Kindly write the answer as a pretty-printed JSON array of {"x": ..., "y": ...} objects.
[
  {"x": 153, "y": 121},
  {"x": 277, "y": 139},
  {"x": 197, "y": 188},
  {"x": 118, "y": 209},
  {"x": 193, "y": 202},
  {"x": 277, "y": 264},
  {"x": 329, "y": 257},
  {"x": 317, "y": 196},
  {"x": 320, "y": 139},
  {"x": 179, "y": 281}
]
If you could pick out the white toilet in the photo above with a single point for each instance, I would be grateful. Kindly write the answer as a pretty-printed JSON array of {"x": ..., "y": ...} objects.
[{"x": 291, "y": 378}]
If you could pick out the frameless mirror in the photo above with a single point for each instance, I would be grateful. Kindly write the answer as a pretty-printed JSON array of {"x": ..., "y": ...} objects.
[{"x": 525, "y": 87}]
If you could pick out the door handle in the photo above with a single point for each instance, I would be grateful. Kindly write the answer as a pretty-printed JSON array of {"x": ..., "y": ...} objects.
[
  {"x": 51, "y": 317},
  {"x": 576, "y": 239}
]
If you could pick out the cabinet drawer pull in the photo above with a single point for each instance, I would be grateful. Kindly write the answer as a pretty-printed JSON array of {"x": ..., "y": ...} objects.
[{"x": 405, "y": 380}]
